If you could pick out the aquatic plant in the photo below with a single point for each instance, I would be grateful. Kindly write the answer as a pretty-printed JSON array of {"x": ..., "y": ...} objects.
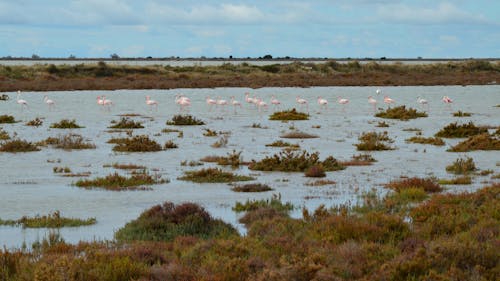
[
  {"x": 4, "y": 135},
  {"x": 129, "y": 166},
  {"x": 320, "y": 183},
  {"x": 58, "y": 170},
  {"x": 126, "y": 123},
  {"x": 232, "y": 159},
  {"x": 274, "y": 202},
  {"x": 291, "y": 114},
  {"x": 221, "y": 142},
  {"x": 191, "y": 163},
  {"x": 423, "y": 140},
  {"x": 252, "y": 187},
  {"x": 54, "y": 220},
  {"x": 168, "y": 221},
  {"x": 185, "y": 120},
  {"x": 7, "y": 119},
  {"x": 373, "y": 141},
  {"x": 382, "y": 124},
  {"x": 169, "y": 130},
  {"x": 453, "y": 130},
  {"x": 66, "y": 124},
  {"x": 294, "y": 161},
  {"x": 140, "y": 143},
  {"x": 427, "y": 184},
  {"x": 359, "y": 160},
  {"x": 457, "y": 180},
  {"x": 461, "y": 114},
  {"x": 170, "y": 144},
  {"x": 118, "y": 182},
  {"x": 477, "y": 142},
  {"x": 298, "y": 135},
  {"x": 315, "y": 171},
  {"x": 213, "y": 175},
  {"x": 280, "y": 143},
  {"x": 18, "y": 145},
  {"x": 68, "y": 142},
  {"x": 462, "y": 166},
  {"x": 209, "y": 133},
  {"x": 37, "y": 122},
  {"x": 401, "y": 113}
]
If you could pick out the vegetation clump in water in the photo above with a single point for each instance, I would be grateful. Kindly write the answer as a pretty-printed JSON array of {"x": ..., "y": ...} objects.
[
  {"x": 298, "y": 135},
  {"x": 213, "y": 175},
  {"x": 454, "y": 130},
  {"x": 252, "y": 187},
  {"x": 4, "y": 135},
  {"x": 359, "y": 160},
  {"x": 477, "y": 142},
  {"x": 423, "y": 140},
  {"x": 185, "y": 120},
  {"x": 280, "y": 143},
  {"x": 462, "y": 166},
  {"x": 315, "y": 171},
  {"x": 274, "y": 202},
  {"x": 291, "y": 114},
  {"x": 18, "y": 145},
  {"x": 140, "y": 143},
  {"x": 117, "y": 182},
  {"x": 68, "y": 142},
  {"x": 53, "y": 220},
  {"x": 66, "y": 124},
  {"x": 401, "y": 113},
  {"x": 373, "y": 141},
  {"x": 457, "y": 180},
  {"x": 127, "y": 123},
  {"x": 428, "y": 184},
  {"x": 461, "y": 114},
  {"x": 7, "y": 119},
  {"x": 294, "y": 161},
  {"x": 37, "y": 122},
  {"x": 382, "y": 124},
  {"x": 168, "y": 221}
]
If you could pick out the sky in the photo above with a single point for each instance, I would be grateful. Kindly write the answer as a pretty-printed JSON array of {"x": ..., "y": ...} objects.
[{"x": 185, "y": 28}]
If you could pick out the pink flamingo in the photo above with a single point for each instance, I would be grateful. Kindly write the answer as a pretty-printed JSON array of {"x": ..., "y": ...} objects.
[
  {"x": 221, "y": 102},
  {"x": 343, "y": 102},
  {"x": 261, "y": 104},
  {"x": 248, "y": 99},
  {"x": 423, "y": 102},
  {"x": 100, "y": 101},
  {"x": 182, "y": 101},
  {"x": 151, "y": 103},
  {"x": 448, "y": 101},
  {"x": 107, "y": 103},
  {"x": 302, "y": 102},
  {"x": 323, "y": 103},
  {"x": 275, "y": 101},
  {"x": 49, "y": 102},
  {"x": 210, "y": 102},
  {"x": 235, "y": 103},
  {"x": 388, "y": 101},
  {"x": 373, "y": 102},
  {"x": 23, "y": 103}
]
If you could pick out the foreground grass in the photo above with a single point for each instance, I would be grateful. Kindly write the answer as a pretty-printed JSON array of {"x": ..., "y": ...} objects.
[
  {"x": 18, "y": 145},
  {"x": 446, "y": 237},
  {"x": 53, "y": 220}
]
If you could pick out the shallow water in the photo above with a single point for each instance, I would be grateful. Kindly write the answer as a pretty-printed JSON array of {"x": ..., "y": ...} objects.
[{"x": 29, "y": 187}]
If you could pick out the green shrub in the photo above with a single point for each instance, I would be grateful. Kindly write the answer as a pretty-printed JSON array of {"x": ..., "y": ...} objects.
[
  {"x": 66, "y": 124},
  {"x": 373, "y": 141},
  {"x": 294, "y": 161},
  {"x": 477, "y": 142},
  {"x": 252, "y": 187},
  {"x": 127, "y": 123},
  {"x": 453, "y": 130},
  {"x": 401, "y": 113},
  {"x": 136, "y": 144},
  {"x": 428, "y": 185},
  {"x": 457, "y": 180},
  {"x": 274, "y": 203},
  {"x": 185, "y": 120},
  {"x": 462, "y": 166},
  {"x": 68, "y": 142},
  {"x": 117, "y": 182},
  {"x": 53, "y": 220},
  {"x": 291, "y": 114},
  {"x": 212, "y": 175}
]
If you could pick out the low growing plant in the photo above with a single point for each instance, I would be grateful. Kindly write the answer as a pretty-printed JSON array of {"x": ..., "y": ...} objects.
[
  {"x": 53, "y": 220},
  {"x": 7, "y": 119},
  {"x": 461, "y": 114},
  {"x": 294, "y": 161},
  {"x": 66, "y": 124},
  {"x": 462, "y": 166},
  {"x": 401, "y": 113},
  {"x": 477, "y": 142},
  {"x": 315, "y": 171},
  {"x": 18, "y": 145},
  {"x": 457, "y": 180},
  {"x": 373, "y": 141},
  {"x": 118, "y": 182},
  {"x": 291, "y": 114},
  {"x": 68, "y": 142},
  {"x": 423, "y": 140},
  {"x": 140, "y": 143},
  {"x": 359, "y": 160},
  {"x": 185, "y": 120},
  {"x": 274, "y": 203},
  {"x": 127, "y": 123},
  {"x": 37, "y": 122},
  {"x": 4, "y": 135},
  {"x": 453, "y": 130},
  {"x": 280, "y": 143},
  {"x": 298, "y": 135},
  {"x": 428, "y": 185},
  {"x": 252, "y": 187},
  {"x": 213, "y": 175}
]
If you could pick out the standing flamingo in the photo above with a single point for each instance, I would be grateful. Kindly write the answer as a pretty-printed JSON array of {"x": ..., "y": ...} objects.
[
  {"x": 49, "y": 102},
  {"x": 388, "y": 101},
  {"x": 261, "y": 104},
  {"x": 343, "y": 102},
  {"x": 182, "y": 101},
  {"x": 302, "y": 102},
  {"x": 323, "y": 103},
  {"x": 248, "y": 99},
  {"x": 23, "y": 103},
  {"x": 235, "y": 103},
  {"x": 107, "y": 103},
  {"x": 448, "y": 101},
  {"x": 151, "y": 103},
  {"x": 373, "y": 102},
  {"x": 275, "y": 101},
  {"x": 423, "y": 102},
  {"x": 221, "y": 102},
  {"x": 378, "y": 91},
  {"x": 210, "y": 102}
]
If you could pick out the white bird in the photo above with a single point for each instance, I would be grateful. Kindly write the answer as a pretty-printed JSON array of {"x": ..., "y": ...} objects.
[
  {"x": 373, "y": 102},
  {"x": 151, "y": 103},
  {"x": 448, "y": 101},
  {"x": 343, "y": 102},
  {"x": 423, "y": 102},
  {"x": 49, "y": 102},
  {"x": 261, "y": 104},
  {"x": 210, "y": 102},
  {"x": 107, "y": 103},
  {"x": 302, "y": 102},
  {"x": 323, "y": 103},
  {"x": 275, "y": 101},
  {"x": 23, "y": 103},
  {"x": 388, "y": 101},
  {"x": 248, "y": 99},
  {"x": 182, "y": 101},
  {"x": 378, "y": 91},
  {"x": 235, "y": 103}
]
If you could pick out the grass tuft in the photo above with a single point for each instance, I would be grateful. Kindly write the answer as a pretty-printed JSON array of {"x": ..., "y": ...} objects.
[
  {"x": 477, "y": 142},
  {"x": 53, "y": 220},
  {"x": 213, "y": 175},
  {"x": 37, "y": 122},
  {"x": 457, "y": 180},
  {"x": 291, "y": 114},
  {"x": 428, "y": 185},
  {"x": 185, "y": 120},
  {"x": 127, "y": 123},
  {"x": 18, "y": 145},
  {"x": 7, "y": 119},
  {"x": 68, "y": 142},
  {"x": 462, "y": 166},
  {"x": 117, "y": 182},
  {"x": 373, "y": 141},
  {"x": 294, "y": 161},
  {"x": 423, "y": 140},
  {"x": 453, "y": 130},
  {"x": 140, "y": 143},
  {"x": 66, "y": 124},
  {"x": 401, "y": 113},
  {"x": 252, "y": 187}
]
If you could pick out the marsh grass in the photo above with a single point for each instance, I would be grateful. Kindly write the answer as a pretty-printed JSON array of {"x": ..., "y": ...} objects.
[
  {"x": 18, "y": 145},
  {"x": 191, "y": 163},
  {"x": 37, "y": 122},
  {"x": 185, "y": 120},
  {"x": 359, "y": 160},
  {"x": 280, "y": 143},
  {"x": 298, "y": 135},
  {"x": 116, "y": 182},
  {"x": 68, "y": 142},
  {"x": 294, "y": 161},
  {"x": 401, "y": 113},
  {"x": 453, "y": 130},
  {"x": 458, "y": 180},
  {"x": 427, "y": 184},
  {"x": 4, "y": 135},
  {"x": 59, "y": 170},
  {"x": 423, "y": 140},
  {"x": 315, "y": 171},
  {"x": 213, "y": 175},
  {"x": 461, "y": 114},
  {"x": 232, "y": 159},
  {"x": 382, "y": 124},
  {"x": 209, "y": 133},
  {"x": 252, "y": 187},
  {"x": 289, "y": 115},
  {"x": 169, "y": 130},
  {"x": 126, "y": 123},
  {"x": 221, "y": 142},
  {"x": 462, "y": 166},
  {"x": 274, "y": 202},
  {"x": 53, "y": 220},
  {"x": 140, "y": 143},
  {"x": 373, "y": 141},
  {"x": 320, "y": 183},
  {"x": 7, "y": 119},
  {"x": 170, "y": 145},
  {"x": 129, "y": 166},
  {"x": 168, "y": 221},
  {"x": 66, "y": 124},
  {"x": 477, "y": 142}
]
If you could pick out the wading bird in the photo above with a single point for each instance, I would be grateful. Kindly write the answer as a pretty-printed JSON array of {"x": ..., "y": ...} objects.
[
  {"x": 235, "y": 103},
  {"x": 23, "y": 103},
  {"x": 302, "y": 102},
  {"x": 275, "y": 101},
  {"x": 388, "y": 101},
  {"x": 423, "y": 102},
  {"x": 343, "y": 102},
  {"x": 373, "y": 102},
  {"x": 151, "y": 103},
  {"x": 49, "y": 102},
  {"x": 323, "y": 103}
]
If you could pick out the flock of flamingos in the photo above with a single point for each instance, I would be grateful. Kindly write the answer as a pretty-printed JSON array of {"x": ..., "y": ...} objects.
[{"x": 184, "y": 102}]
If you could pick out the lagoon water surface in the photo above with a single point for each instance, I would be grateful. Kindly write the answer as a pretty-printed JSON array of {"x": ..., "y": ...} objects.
[{"x": 29, "y": 187}]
